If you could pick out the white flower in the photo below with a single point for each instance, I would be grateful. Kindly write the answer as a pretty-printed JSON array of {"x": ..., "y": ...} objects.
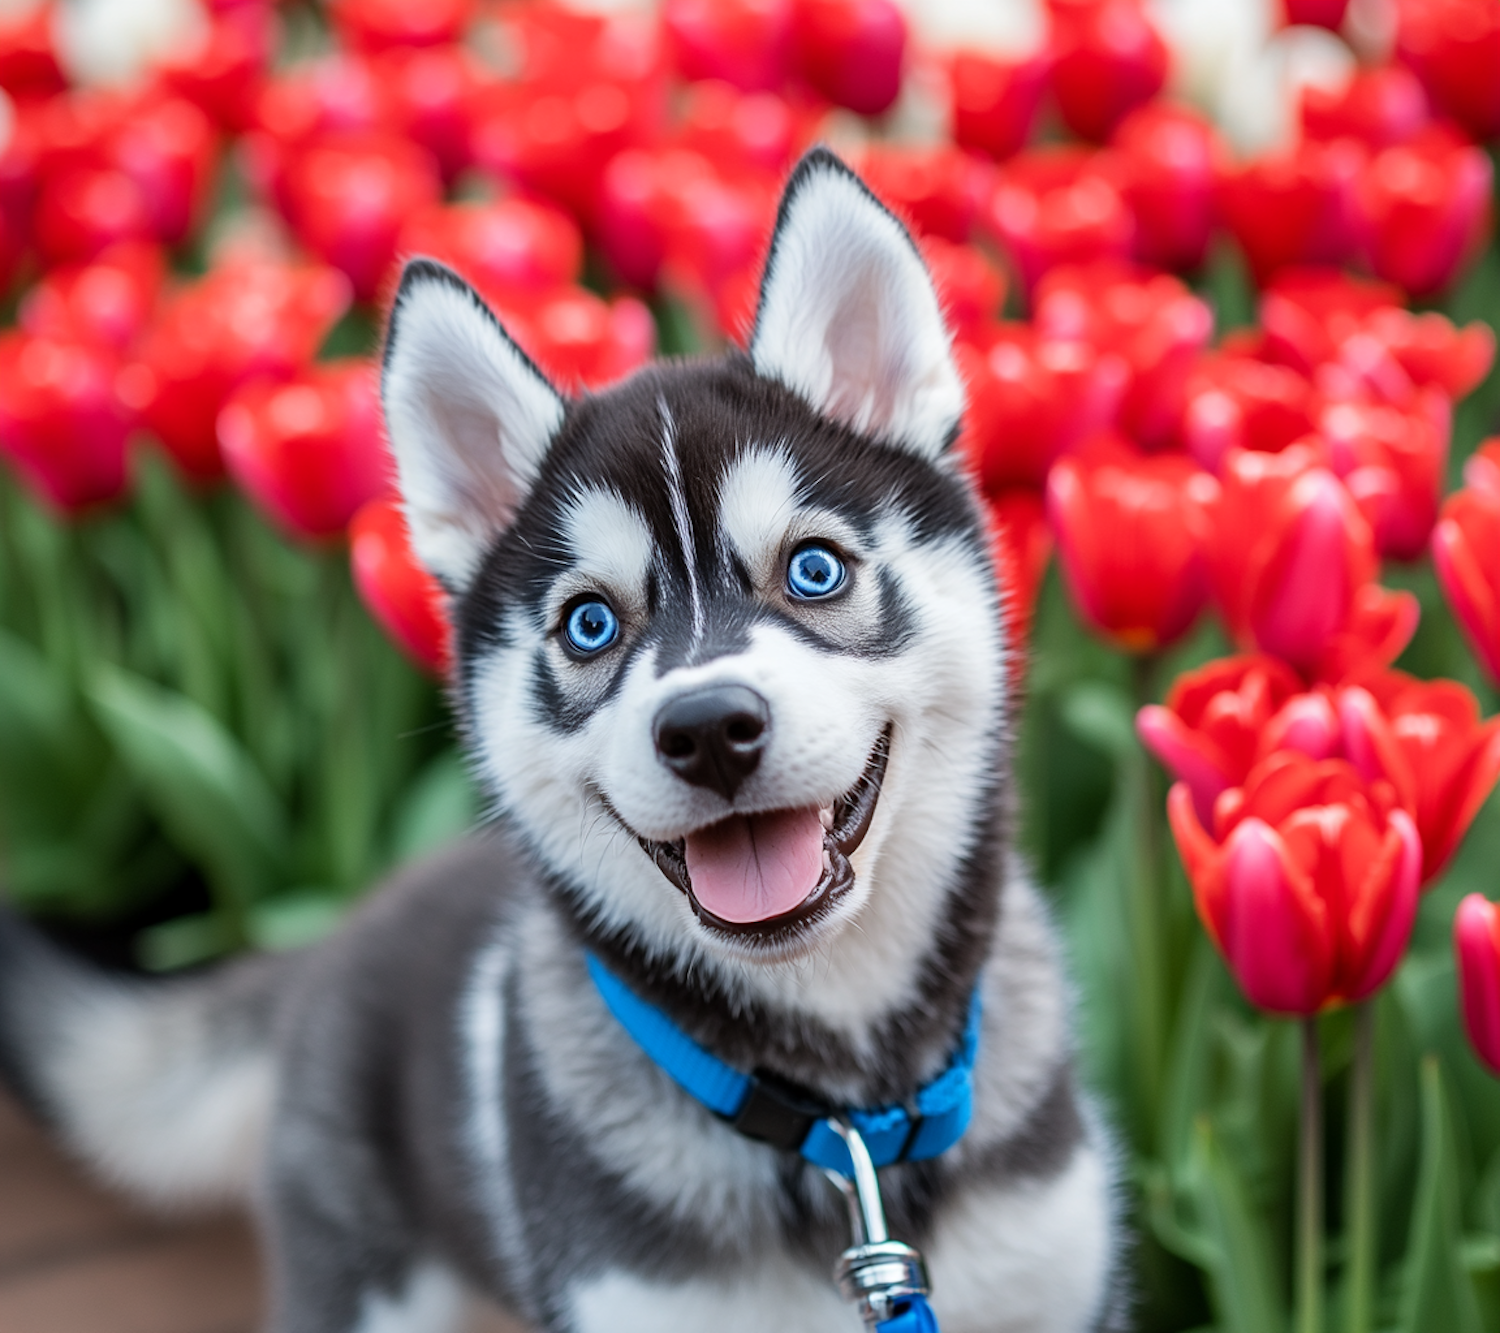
[{"x": 113, "y": 42}]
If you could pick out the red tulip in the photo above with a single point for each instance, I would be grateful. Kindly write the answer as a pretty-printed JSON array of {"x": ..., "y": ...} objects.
[
  {"x": 579, "y": 339},
  {"x": 83, "y": 210},
  {"x": 851, "y": 51},
  {"x": 938, "y": 191},
  {"x": 1424, "y": 738},
  {"x": 1433, "y": 352},
  {"x": 379, "y": 25},
  {"x": 996, "y": 100},
  {"x": 1164, "y": 156},
  {"x": 1288, "y": 551},
  {"x": 225, "y": 75},
  {"x": 240, "y": 321},
  {"x": 1454, "y": 47},
  {"x": 1482, "y": 469},
  {"x": 348, "y": 195},
  {"x": 970, "y": 288},
  {"x": 1022, "y": 547},
  {"x": 108, "y": 302},
  {"x": 1476, "y": 942},
  {"x": 1380, "y": 107},
  {"x": 1379, "y": 627},
  {"x": 1107, "y": 60},
  {"x": 28, "y": 59},
  {"x": 1031, "y": 399},
  {"x": 310, "y": 450},
  {"x": 1293, "y": 207},
  {"x": 505, "y": 247},
  {"x": 1464, "y": 547},
  {"x": 402, "y": 596},
  {"x": 1393, "y": 463},
  {"x": 1307, "y": 884},
  {"x": 63, "y": 423},
  {"x": 1317, "y": 13},
  {"x": 746, "y": 43},
  {"x": 1130, "y": 533},
  {"x": 742, "y": 131},
  {"x": 1424, "y": 206},
  {"x": 431, "y": 91},
  {"x": 1219, "y": 721},
  {"x": 1240, "y": 402},
  {"x": 168, "y": 148},
  {"x": 1150, "y": 320},
  {"x": 1057, "y": 206}
]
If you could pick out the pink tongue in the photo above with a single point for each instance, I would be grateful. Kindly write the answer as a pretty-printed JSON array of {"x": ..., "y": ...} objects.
[{"x": 753, "y": 867}]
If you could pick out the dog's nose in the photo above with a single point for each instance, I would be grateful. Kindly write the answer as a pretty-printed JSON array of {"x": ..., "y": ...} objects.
[{"x": 713, "y": 737}]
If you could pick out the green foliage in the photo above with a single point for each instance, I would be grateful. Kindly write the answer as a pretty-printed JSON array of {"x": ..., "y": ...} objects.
[{"x": 204, "y": 741}]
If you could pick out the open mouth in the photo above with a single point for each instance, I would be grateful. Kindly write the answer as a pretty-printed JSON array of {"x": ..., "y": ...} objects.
[{"x": 761, "y": 874}]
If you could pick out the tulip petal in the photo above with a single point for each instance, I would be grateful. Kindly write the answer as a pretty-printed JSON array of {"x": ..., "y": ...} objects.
[
  {"x": 1370, "y": 745},
  {"x": 1401, "y": 866},
  {"x": 1187, "y": 754},
  {"x": 1276, "y": 938},
  {"x": 1475, "y": 943}
]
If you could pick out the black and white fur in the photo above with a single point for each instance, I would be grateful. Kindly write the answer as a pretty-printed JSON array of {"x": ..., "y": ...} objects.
[{"x": 437, "y": 1095}]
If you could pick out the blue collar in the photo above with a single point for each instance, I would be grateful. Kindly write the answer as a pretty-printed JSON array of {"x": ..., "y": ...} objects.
[{"x": 763, "y": 1107}]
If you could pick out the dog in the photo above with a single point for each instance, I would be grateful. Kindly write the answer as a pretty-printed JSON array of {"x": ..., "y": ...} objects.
[{"x": 730, "y": 660}]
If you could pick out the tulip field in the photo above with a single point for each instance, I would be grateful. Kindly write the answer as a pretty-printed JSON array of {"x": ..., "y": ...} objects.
[{"x": 1223, "y": 285}]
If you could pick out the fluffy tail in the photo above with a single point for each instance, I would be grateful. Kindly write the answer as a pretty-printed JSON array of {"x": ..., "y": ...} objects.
[{"x": 164, "y": 1087}]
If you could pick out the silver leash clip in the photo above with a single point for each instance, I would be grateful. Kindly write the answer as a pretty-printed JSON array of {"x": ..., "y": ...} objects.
[{"x": 884, "y": 1278}]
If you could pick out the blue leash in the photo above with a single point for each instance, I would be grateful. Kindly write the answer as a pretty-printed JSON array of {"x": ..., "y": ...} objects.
[{"x": 766, "y": 1108}]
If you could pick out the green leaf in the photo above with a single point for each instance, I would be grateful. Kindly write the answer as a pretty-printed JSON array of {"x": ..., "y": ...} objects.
[
  {"x": 298, "y": 917},
  {"x": 1437, "y": 1292},
  {"x": 1247, "y": 1293},
  {"x": 442, "y": 804},
  {"x": 185, "y": 940},
  {"x": 201, "y": 783}
]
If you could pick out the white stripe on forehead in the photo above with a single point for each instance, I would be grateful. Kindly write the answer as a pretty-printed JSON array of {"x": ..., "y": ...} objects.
[
  {"x": 758, "y": 498},
  {"x": 610, "y": 540},
  {"x": 681, "y": 519}
]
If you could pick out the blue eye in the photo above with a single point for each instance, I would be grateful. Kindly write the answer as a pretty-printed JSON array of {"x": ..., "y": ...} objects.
[
  {"x": 592, "y": 627},
  {"x": 814, "y": 572}
]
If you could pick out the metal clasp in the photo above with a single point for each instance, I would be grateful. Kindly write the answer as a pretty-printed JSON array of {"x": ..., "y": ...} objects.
[{"x": 879, "y": 1275}]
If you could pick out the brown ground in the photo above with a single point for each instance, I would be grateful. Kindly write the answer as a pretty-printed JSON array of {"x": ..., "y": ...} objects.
[{"x": 75, "y": 1259}]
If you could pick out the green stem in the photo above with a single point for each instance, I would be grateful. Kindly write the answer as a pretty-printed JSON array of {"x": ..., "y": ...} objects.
[
  {"x": 1360, "y": 1181},
  {"x": 1310, "y": 1188},
  {"x": 1148, "y": 923}
]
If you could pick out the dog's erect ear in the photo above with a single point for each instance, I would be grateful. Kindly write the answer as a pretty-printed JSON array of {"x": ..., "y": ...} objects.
[
  {"x": 469, "y": 416},
  {"x": 849, "y": 319}
]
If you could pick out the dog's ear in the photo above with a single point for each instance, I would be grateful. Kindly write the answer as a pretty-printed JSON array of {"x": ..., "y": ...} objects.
[
  {"x": 849, "y": 319},
  {"x": 469, "y": 416}
]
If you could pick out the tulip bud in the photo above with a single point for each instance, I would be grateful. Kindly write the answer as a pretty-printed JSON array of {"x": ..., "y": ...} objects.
[
  {"x": 1423, "y": 209},
  {"x": 63, "y": 423},
  {"x": 970, "y": 288},
  {"x": 402, "y": 596},
  {"x": 310, "y": 451},
  {"x": 108, "y": 302},
  {"x": 1022, "y": 547},
  {"x": 746, "y": 43},
  {"x": 1164, "y": 156},
  {"x": 851, "y": 51},
  {"x": 1454, "y": 48},
  {"x": 1379, "y": 107},
  {"x": 1308, "y": 883},
  {"x": 224, "y": 75},
  {"x": 506, "y": 247},
  {"x": 1294, "y": 206},
  {"x": 938, "y": 191},
  {"x": 996, "y": 100},
  {"x": 1476, "y": 942},
  {"x": 1289, "y": 550},
  {"x": 379, "y": 25},
  {"x": 1464, "y": 544},
  {"x": 1130, "y": 534},
  {"x": 1107, "y": 60},
  {"x": 1240, "y": 402}
]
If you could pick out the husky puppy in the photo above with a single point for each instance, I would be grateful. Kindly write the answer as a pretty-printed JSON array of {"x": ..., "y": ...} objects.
[{"x": 730, "y": 660}]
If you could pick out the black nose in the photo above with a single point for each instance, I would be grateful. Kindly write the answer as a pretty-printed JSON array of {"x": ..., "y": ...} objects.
[{"x": 713, "y": 737}]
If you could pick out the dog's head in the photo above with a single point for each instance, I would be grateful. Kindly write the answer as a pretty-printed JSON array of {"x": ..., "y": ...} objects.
[{"x": 730, "y": 651}]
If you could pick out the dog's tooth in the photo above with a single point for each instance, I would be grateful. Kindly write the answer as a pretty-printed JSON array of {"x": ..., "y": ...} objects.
[
  {"x": 825, "y": 817},
  {"x": 827, "y": 862}
]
